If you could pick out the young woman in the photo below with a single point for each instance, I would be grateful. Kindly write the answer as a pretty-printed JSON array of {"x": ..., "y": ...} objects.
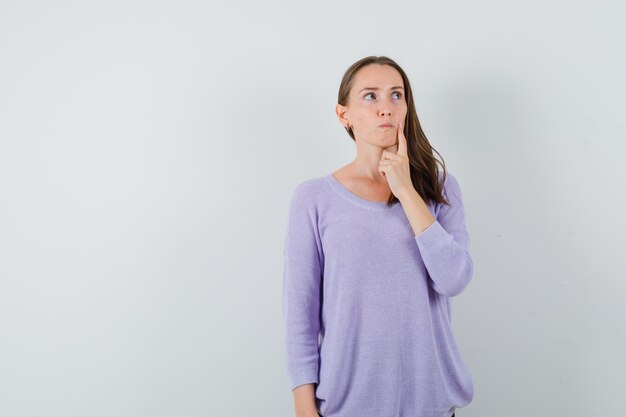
[{"x": 373, "y": 254}]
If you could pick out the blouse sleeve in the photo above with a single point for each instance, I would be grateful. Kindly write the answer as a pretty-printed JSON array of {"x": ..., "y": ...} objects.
[
  {"x": 302, "y": 275},
  {"x": 444, "y": 245}
]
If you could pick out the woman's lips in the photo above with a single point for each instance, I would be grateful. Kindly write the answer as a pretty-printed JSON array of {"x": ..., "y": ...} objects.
[{"x": 386, "y": 125}]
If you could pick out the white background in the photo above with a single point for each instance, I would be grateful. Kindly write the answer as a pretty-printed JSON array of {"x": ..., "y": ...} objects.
[{"x": 148, "y": 152}]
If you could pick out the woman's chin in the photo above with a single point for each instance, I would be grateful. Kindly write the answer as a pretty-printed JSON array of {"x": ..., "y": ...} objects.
[{"x": 388, "y": 137}]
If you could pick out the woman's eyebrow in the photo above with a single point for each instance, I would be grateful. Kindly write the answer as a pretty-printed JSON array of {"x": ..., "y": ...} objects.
[{"x": 376, "y": 88}]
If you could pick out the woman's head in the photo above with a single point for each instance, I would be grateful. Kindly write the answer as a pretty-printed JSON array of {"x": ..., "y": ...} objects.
[
  {"x": 374, "y": 91},
  {"x": 372, "y": 103}
]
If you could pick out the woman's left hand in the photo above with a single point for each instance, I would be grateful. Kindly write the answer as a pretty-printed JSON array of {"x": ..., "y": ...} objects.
[{"x": 395, "y": 167}]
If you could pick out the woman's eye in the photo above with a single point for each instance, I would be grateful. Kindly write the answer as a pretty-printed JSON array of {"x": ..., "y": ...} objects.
[{"x": 399, "y": 95}]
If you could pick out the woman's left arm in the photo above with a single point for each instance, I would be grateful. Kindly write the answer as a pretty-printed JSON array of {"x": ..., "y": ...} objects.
[{"x": 443, "y": 242}]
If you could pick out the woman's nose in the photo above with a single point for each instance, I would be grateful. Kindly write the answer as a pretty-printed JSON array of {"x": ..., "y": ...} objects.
[{"x": 385, "y": 109}]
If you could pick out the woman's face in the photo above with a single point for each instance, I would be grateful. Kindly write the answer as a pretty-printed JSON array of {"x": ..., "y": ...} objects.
[{"x": 376, "y": 98}]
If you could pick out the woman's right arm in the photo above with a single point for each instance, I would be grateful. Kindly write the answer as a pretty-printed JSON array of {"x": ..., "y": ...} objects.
[
  {"x": 304, "y": 401},
  {"x": 302, "y": 281}
]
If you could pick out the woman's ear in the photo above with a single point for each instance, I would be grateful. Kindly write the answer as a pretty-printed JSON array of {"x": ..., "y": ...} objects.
[{"x": 341, "y": 115}]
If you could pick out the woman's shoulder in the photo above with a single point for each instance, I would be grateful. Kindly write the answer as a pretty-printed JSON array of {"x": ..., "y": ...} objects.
[
  {"x": 451, "y": 182},
  {"x": 308, "y": 189},
  {"x": 311, "y": 184}
]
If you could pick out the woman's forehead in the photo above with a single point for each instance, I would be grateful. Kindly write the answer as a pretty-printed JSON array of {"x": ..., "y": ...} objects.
[{"x": 378, "y": 76}]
